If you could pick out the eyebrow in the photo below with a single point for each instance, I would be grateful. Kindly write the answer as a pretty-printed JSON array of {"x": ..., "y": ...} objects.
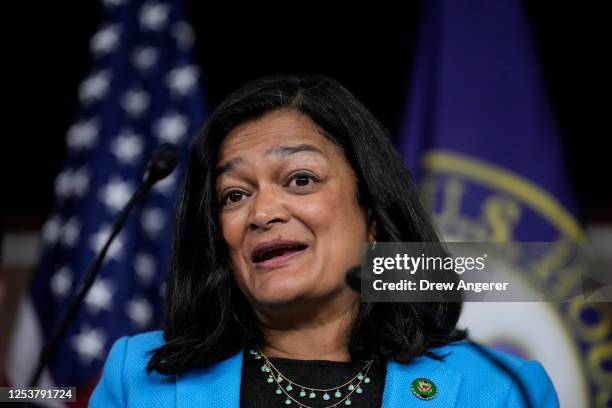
[
  {"x": 228, "y": 166},
  {"x": 282, "y": 151}
]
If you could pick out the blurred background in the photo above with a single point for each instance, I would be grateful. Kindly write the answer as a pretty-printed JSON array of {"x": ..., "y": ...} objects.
[{"x": 429, "y": 72}]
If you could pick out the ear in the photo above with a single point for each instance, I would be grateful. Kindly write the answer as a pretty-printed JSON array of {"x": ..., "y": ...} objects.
[{"x": 372, "y": 226}]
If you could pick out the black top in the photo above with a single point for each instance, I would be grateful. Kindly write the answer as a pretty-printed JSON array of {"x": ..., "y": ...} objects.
[{"x": 257, "y": 392}]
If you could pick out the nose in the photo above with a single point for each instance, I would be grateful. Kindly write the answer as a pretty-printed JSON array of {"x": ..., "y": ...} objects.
[{"x": 268, "y": 208}]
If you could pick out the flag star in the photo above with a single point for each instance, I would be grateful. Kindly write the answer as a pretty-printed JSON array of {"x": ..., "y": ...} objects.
[
  {"x": 144, "y": 58},
  {"x": 63, "y": 186},
  {"x": 171, "y": 128},
  {"x": 89, "y": 344},
  {"x": 153, "y": 16},
  {"x": 105, "y": 40},
  {"x": 61, "y": 282},
  {"x": 166, "y": 185},
  {"x": 99, "y": 296},
  {"x": 139, "y": 311},
  {"x": 183, "y": 34},
  {"x": 71, "y": 231},
  {"x": 127, "y": 147},
  {"x": 182, "y": 80},
  {"x": 83, "y": 134},
  {"x": 135, "y": 102},
  {"x": 116, "y": 193},
  {"x": 144, "y": 264},
  {"x": 162, "y": 289},
  {"x": 97, "y": 241},
  {"x": 51, "y": 230},
  {"x": 94, "y": 87},
  {"x": 72, "y": 181},
  {"x": 80, "y": 181},
  {"x": 153, "y": 221}
]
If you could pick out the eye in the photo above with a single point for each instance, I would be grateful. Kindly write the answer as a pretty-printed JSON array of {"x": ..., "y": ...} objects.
[
  {"x": 232, "y": 196},
  {"x": 302, "y": 179}
]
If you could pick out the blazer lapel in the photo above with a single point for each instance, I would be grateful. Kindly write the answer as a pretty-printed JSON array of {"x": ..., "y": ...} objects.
[
  {"x": 398, "y": 392},
  {"x": 214, "y": 387}
]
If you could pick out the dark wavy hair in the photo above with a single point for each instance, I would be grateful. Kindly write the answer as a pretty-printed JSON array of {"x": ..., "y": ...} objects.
[{"x": 207, "y": 318}]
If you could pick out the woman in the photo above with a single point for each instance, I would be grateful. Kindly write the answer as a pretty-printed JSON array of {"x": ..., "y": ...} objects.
[{"x": 286, "y": 181}]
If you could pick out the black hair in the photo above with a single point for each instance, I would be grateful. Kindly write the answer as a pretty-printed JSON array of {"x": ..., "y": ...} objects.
[{"x": 207, "y": 318}]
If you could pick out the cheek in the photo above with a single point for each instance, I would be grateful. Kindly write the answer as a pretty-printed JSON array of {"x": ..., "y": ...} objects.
[
  {"x": 334, "y": 212},
  {"x": 232, "y": 227},
  {"x": 317, "y": 211}
]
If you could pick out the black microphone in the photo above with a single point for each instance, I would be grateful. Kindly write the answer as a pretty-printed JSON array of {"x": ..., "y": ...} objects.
[
  {"x": 353, "y": 279},
  {"x": 161, "y": 164}
]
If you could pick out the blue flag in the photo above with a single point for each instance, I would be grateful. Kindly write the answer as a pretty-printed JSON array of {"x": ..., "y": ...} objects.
[
  {"x": 143, "y": 90},
  {"x": 481, "y": 137},
  {"x": 478, "y": 102}
]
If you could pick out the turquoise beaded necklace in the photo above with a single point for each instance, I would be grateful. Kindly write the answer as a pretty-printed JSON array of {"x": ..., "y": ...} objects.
[{"x": 284, "y": 385}]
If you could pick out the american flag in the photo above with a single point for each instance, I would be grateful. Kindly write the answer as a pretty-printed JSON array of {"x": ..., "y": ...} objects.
[{"x": 142, "y": 91}]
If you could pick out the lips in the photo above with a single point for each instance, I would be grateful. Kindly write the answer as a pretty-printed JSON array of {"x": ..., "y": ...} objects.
[{"x": 272, "y": 253}]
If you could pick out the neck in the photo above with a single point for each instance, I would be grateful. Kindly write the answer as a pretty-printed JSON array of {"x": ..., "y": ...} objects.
[{"x": 322, "y": 332}]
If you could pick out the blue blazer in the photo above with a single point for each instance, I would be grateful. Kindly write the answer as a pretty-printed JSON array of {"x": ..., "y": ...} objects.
[{"x": 463, "y": 379}]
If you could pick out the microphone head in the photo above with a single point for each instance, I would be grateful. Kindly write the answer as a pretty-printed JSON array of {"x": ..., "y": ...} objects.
[
  {"x": 162, "y": 162},
  {"x": 353, "y": 278}
]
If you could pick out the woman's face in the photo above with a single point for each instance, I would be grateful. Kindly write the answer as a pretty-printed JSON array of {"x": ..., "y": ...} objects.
[{"x": 288, "y": 211}]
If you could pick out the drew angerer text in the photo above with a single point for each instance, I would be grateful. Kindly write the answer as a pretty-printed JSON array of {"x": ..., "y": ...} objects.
[{"x": 425, "y": 285}]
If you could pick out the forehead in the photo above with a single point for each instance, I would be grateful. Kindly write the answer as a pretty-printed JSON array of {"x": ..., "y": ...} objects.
[{"x": 275, "y": 129}]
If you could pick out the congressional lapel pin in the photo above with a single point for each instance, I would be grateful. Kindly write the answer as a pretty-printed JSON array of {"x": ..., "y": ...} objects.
[{"x": 423, "y": 388}]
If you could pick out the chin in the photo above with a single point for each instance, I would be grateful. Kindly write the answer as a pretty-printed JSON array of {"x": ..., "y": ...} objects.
[{"x": 279, "y": 290}]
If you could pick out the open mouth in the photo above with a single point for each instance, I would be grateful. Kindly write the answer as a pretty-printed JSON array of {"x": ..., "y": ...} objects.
[{"x": 268, "y": 253}]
